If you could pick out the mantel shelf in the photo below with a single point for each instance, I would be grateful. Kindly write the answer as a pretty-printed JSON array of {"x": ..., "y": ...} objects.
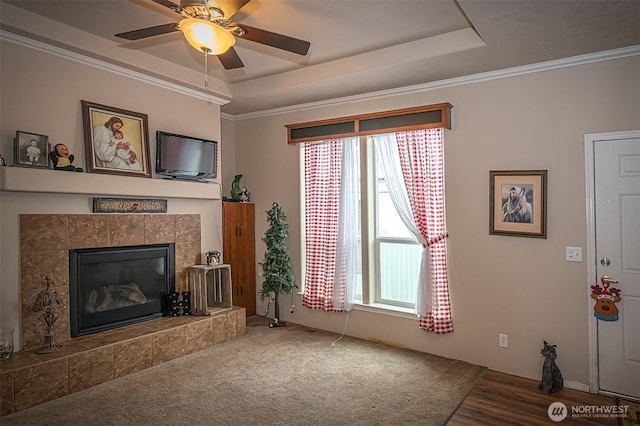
[{"x": 29, "y": 179}]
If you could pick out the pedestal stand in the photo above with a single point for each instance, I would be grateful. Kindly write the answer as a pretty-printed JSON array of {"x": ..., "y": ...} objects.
[
  {"x": 277, "y": 323},
  {"x": 49, "y": 302}
]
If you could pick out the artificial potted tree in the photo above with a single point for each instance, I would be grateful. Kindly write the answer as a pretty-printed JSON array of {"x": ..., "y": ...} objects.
[{"x": 276, "y": 267}]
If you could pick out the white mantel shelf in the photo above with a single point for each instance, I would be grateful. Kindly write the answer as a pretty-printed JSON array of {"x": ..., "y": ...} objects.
[{"x": 30, "y": 179}]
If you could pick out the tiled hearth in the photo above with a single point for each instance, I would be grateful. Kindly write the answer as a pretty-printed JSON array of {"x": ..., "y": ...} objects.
[{"x": 29, "y": 379}]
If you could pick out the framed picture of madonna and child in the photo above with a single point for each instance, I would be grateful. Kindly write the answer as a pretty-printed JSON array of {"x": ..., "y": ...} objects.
[
  {"x": 518, "y": 203},
  {"x": 116, "y": 141}
]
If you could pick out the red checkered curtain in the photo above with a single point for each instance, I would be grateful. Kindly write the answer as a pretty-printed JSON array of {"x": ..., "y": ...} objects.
[
  {"x": 423, "y": 172},
  {"x": 323, "y": 160}
]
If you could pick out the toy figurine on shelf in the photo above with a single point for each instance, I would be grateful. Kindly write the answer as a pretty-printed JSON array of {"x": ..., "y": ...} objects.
[
  {"x": 61, "y": 159},
  {"x": 213, "y": 257},
  {"x": 243, "y": 194}
]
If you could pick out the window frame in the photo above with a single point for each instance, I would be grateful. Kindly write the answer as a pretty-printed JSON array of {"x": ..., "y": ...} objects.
[
  {"x": 406, "y": 119},
  {"x": 370, "y": 290},
  {"x": 398, "y": 120}
]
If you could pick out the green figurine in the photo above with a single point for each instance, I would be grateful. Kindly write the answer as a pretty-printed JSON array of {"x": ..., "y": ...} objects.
[{"x": 235, "y": 188}]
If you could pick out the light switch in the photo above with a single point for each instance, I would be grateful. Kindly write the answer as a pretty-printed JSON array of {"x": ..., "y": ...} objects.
[{"x": 573, "y": 254}]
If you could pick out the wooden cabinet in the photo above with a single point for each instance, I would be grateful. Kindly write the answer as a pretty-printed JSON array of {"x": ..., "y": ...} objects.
[{"x": 239, "y": 251}]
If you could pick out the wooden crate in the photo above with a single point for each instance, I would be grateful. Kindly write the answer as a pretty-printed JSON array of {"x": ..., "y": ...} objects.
[{"x": 210, "y": 287}]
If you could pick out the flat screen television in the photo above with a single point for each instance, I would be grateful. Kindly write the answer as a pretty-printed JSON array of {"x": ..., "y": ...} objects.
[{"x": 185, "y": 157}]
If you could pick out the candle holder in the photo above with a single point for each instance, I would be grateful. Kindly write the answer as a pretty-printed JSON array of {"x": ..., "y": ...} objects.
[{"x": 49, "y": 302}]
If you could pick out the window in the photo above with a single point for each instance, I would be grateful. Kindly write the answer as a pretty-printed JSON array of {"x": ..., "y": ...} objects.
[
  {"x": 380, "y": 198},
  {"x": 397, "y": 254},
  {"x": 394, "y": 253}
]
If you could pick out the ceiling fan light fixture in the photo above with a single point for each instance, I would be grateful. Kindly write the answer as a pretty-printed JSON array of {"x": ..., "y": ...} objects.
[{"x": 205, "y": 36}]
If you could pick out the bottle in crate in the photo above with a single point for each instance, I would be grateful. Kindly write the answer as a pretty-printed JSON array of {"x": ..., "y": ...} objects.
[{"x": 186, "y": 303}]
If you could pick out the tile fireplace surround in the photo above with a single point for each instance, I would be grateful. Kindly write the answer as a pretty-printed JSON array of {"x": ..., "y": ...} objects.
[{"x": 29, "y": 379}]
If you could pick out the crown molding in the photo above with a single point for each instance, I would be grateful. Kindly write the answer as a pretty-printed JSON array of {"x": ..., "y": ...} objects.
[
  {"x": 425, "y": 87},
  {"x": 474, "y": 78},
  {"x": 113, "y": 68}
]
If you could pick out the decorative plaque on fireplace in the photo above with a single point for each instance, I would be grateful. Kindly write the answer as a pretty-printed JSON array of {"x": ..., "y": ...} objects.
[{"x": 129, "y": 205}]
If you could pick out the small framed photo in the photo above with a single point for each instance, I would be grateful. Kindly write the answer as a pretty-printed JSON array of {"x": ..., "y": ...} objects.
[
  {"x": 116, "y": 141},
  {"x": 31, "y": 149},
  {"x": 518, "y": 203}
]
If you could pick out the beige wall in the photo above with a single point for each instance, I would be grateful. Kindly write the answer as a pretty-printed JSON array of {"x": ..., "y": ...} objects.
[
  {"x": 519, "y": 286},
  {"x": 228, "y": 157},
  {"x": 499, "y": 284},
  {"x": 41, "y": 93}
]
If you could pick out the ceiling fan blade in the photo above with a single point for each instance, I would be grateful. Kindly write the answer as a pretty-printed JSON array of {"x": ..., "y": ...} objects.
[
  {"x": 280, "y": 41},
  {"x": 149, "y": 32},
  {"x": 171, "y": 5},
  {"x": 230, "y": 59},
  {"x": 228, "y": 7}
]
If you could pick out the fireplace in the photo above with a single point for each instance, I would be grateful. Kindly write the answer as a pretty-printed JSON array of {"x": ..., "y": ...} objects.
[{"x": 110, "y": 287}]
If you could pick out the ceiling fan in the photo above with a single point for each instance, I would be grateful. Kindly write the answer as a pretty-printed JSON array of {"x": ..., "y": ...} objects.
[{"x": 207, "y": 26}]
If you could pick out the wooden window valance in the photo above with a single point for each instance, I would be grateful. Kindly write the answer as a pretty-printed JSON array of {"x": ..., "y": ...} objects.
[{"x": 414, "y": 118}]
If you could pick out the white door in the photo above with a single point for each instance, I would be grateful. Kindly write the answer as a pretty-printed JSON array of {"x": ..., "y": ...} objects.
[{"x": 617, "y": 255}]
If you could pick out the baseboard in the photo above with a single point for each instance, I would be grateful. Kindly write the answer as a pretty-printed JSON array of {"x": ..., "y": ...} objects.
[{"x": 570, "y": 384}]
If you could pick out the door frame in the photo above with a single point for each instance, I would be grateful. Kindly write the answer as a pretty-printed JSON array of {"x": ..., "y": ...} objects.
[{"x": 589, "y": 145}]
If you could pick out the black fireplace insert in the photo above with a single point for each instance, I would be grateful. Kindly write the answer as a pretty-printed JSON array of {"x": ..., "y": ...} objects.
[{"x": 111, "y": 287}]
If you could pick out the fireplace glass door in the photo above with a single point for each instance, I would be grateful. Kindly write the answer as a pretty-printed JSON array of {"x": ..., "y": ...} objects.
[{"x": 112, "y": 287}]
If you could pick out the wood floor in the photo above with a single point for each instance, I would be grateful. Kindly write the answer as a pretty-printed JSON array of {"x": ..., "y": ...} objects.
[{"x": 502, "y": 399}]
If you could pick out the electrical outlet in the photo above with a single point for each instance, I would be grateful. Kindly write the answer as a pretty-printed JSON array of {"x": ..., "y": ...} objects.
[{"x": 503, "y": 340}]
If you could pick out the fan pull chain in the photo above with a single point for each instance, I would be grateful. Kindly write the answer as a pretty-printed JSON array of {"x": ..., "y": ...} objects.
[{"x": 206, "y": 71}]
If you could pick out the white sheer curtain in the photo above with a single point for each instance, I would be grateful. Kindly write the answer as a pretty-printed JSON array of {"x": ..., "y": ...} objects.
[
  {"x": 346, "y": 278},
  {"x": 387, "y": 153}
]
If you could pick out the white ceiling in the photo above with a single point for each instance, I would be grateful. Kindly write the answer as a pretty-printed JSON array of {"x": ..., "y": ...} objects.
[{"x": 357, "y": 46}]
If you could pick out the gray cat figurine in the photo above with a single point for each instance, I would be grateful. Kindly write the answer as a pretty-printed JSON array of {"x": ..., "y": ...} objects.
[{"x": 551, "y": 377}]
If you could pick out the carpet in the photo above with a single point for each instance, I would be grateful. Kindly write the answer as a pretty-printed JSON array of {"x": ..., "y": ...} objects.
[{"x": 291, "y": 375}]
